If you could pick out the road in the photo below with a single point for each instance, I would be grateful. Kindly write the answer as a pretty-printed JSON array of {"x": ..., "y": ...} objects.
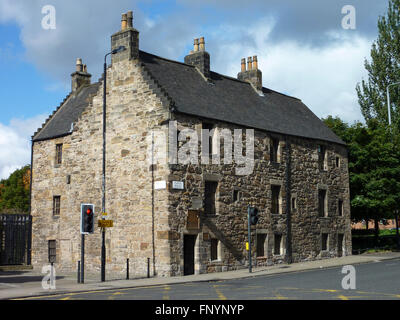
[{"x": 374, "y": 281}]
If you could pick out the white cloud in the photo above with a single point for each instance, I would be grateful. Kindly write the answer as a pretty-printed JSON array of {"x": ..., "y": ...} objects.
[
  {"x": 324, "y": 78},
  {"x": 15, "y": 143}
]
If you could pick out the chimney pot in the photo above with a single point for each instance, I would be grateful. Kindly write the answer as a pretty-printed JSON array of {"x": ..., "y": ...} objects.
[
  {"x": 202, "y": 44},
  {"x": 255, "y": 63},
  {"x": 124, "y": 22},
  {"x": 129, "y": 17},
  {"x": 249, "y": 63},
  {"x": 243, "y": 65},
  {"x": 79, "y": 65},
  {"x": 80, "y": 77},
  {"x": 196, "y": 45}
]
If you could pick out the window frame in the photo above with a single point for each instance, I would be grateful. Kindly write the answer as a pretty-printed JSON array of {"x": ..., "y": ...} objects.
[
  {"x": 59, "y": 154},
  {"x": 56, "y": 206}
]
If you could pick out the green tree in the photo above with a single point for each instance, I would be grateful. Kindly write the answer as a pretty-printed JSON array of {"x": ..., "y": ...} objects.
[
  {"x": 383, "y": 70},
  {"x": 374, "y": 168},
  {"x": 14, "y": 192}
]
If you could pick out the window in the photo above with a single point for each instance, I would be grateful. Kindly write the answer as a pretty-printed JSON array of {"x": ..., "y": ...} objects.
[
  {"x": 236, "y": 195},
  {"x": 275, "y": 192},
  {"x": 322, "y": 157},
  {"x": 278, "y": 244},
  {"x": 59, "y": 154},
  {"x": 322, "y": 203},
  {"x": 324, "y": 241},
  {"x": 294, "y": 204},
  {"x": 340, "y": 207},
  {"x": 261, "y": 244},
  {"x": 210, "y": 191},
  {"x": 52, "y": 251},
  {"x": 214, "y": 249},
  {"x": 209, "y": 127},
  {"x": 273, "y": 149},
  {"x": 56, "y": 205},
  {"x": 337, "y": 162}
]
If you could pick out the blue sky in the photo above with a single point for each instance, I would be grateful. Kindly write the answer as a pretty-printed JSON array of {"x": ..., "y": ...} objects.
[{"x": 303, "y": 51}]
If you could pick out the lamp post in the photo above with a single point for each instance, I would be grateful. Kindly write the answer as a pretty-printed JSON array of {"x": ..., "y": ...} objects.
[
  {"x": 103, "y": 199},
  {"x": 391, "y": 136}
]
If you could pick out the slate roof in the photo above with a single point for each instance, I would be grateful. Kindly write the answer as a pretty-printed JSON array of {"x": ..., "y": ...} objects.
[
  {"x": 60, "y": 123},
  {"x": 231, "y": 100},
  {"x": 224, "y": 98}
]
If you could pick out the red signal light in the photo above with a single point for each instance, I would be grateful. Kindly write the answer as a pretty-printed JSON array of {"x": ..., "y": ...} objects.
[{"x": 88, "y": 211}]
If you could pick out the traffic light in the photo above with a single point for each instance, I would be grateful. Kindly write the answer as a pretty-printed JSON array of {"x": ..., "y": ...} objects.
[
  {"x": 87, "y": 218},
  {"x": 253, "y": 215}
]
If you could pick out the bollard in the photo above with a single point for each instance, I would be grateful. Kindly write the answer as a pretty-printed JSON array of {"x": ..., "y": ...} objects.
[
  {"x": 127, "y": 269},
  {"x": 148, "y": 267},
  {"x": 79, "y": 272}
]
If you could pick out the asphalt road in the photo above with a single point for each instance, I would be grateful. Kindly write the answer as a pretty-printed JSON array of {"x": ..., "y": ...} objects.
[{"x": 374, "y": 281}]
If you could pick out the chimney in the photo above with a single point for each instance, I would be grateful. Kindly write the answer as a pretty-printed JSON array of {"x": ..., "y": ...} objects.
[
  {"x": 127, "y": 37},
  {"x": 252, "y": 74},
  {"x": 80, "y": 77},
  {"x": 199, "y": 57}
]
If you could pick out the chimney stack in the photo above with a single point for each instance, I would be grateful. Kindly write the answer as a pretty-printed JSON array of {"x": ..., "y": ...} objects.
[
  {"x": 252, "y": 75},
  {"x": 127, "y": 37},
  {"x": 80, "y": 77},
  {"x": 199, "y": 57}
]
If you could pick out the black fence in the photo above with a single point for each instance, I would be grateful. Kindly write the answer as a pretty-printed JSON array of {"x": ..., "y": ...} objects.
[{"x": 15, "y": 239}]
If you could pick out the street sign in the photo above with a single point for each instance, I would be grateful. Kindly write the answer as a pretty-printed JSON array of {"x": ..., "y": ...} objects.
[
  {"x": 105, "y": 223},
  {"x": 178, "y": 185}
]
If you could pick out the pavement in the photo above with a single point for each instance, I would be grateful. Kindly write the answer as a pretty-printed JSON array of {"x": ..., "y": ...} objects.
[{"x": 22, "y": 284}]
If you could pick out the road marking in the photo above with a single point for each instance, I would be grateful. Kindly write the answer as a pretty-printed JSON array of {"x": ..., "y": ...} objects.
[
  {"x": 341, "y": 297},
  {"x": 219, "y": 293},
  {"x": 166, "y": 295}
]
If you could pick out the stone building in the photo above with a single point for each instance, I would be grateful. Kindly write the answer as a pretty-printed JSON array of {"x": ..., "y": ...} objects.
[{"x": 186, "y": 217}]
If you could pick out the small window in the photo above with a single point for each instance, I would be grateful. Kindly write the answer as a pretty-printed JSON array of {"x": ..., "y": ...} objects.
[
  {"x": 210, "y": 191},
  {"x": 337, "y": 162},
  {"x": 209, "y": 127},
  {"x": 52, "y": 251},
  {"x": 275, "y": 194},
  {"x": 278, "y": 244},
  {"x": 214, "y": 249},
  {"x": 322, "y": 203},
  {"x": 59, "y": 153},
  {"x": 294, "y": 204},
  {"x": 273, "y": 149},
  {"x": 261, "y": 244},
  {"x": 56, "y": 205},
  {"x": 340, "y": 207},
  {"x": 236, "y": 195},
  {"x": 322, "y": 157},
  {"x": 324, "y": 241}
]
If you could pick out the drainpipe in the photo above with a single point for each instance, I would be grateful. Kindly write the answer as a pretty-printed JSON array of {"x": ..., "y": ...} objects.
[{"x": 288, "y": 255}]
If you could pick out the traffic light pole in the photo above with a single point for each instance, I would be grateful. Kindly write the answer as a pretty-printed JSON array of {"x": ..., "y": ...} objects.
[
  {"x": 249, "y": 236},
  {"x": 82, "y": 259}
]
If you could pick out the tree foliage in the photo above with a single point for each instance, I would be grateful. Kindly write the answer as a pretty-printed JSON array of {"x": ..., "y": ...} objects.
[
  {"x": 14, "y": 192},
  {"x": 383, "y": 70},
  {"x": 374, "y": 167}
]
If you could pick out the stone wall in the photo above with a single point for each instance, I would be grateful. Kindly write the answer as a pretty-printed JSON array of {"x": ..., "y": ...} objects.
[
  {"x": 229, "y": 225},
  {"x": 152, "y": 223},
  {"x": 133, "y": 110}
]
